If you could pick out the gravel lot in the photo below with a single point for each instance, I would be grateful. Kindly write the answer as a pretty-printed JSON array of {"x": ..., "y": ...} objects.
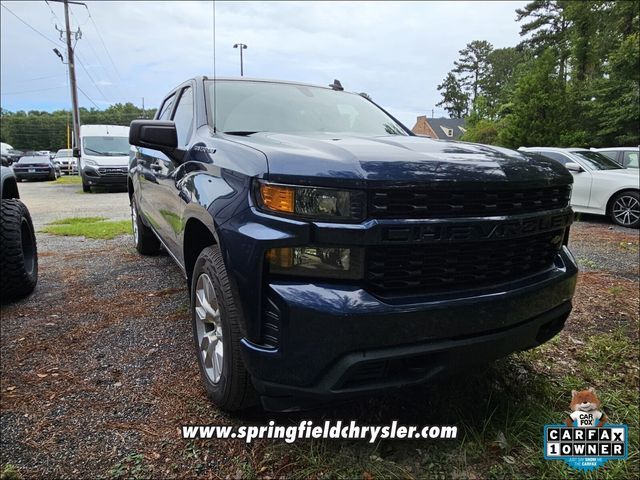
[
  {"x": 98, "y": 370},
  {"x": 48, "y": 201}
]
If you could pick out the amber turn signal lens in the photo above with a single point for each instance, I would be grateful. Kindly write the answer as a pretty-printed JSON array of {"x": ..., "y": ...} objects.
[
  {"x": 280, "y": 257},
  {"x": 277, "y": 197}
]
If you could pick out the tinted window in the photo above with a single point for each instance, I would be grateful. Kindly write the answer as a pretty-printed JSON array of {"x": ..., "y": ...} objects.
[
  {"x": 34, "y": 159},
  {"x": 165, "y": 111},
  {"x": 596, "y": 160},
  {"x": 631, "y": 159},
  {"x": 183, "y": 117},
  {"x": 249, "y": 106},
  {"x": 611, "y": 154},
  {"x": 105, "y": 146},
  {"x": 556, "y": 156}
]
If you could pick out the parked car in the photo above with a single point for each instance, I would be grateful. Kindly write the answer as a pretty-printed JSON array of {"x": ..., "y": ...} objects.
[
  {"x": 10, "y": 156},
  {"x": 625, "y": 156},
  {"x": 601, "y": 186},
  {"x": 18, "y": 249},
  {"x": 66, "y": 161},
  {"x": 36, "y": 167},
  {"x": 330, "y": 252},
  {"x": 104, "y": 156}
]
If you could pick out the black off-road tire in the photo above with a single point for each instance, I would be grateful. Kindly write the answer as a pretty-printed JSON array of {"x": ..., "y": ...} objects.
[
  {"x": 18, "y": 251},
  {"x": 144, "y": 239},
  {"x": 234, "y": 391}
]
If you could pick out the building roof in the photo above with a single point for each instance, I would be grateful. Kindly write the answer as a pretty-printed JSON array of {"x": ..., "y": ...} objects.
[{"x": 440, "y": 128}]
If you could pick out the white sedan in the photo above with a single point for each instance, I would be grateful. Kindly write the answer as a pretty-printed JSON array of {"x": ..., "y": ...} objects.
[{"x": 600, "y": 185}]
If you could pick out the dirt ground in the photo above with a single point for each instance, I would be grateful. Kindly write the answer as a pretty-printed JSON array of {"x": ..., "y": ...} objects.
[{"x": 98, "y": 370}]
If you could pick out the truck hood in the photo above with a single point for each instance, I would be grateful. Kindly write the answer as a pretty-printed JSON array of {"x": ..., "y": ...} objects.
[
  {"x": 333, "y": 159},
  {"x": 103, "y": 161}
]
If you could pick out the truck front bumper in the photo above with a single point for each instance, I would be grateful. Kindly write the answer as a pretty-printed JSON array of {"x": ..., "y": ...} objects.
[{"x": 343, "y": 341}]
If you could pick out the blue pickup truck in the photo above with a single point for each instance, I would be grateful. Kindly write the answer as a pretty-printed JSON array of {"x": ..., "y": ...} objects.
[{"x": 329, "y": 252}]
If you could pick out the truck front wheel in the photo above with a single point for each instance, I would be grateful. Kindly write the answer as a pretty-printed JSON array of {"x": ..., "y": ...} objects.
[
  {"x": 18, "y": 251},
  {"x": 216, "y": 334},
  {"x": 86, "y": 188}
]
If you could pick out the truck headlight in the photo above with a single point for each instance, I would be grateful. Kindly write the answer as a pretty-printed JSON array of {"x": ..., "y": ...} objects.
[
  {"x": 311, "y": 202},
  {"x": 322, "y": 262},
  {"x": 89, "y": 161}
]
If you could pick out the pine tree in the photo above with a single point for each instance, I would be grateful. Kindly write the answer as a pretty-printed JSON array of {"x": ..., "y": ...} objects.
[
  {"x": 472, "y": 66},
  {"x": 454, "y": 99}
]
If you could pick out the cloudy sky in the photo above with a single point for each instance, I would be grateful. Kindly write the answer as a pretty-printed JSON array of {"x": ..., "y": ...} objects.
[{"x": 397, "y": 52}]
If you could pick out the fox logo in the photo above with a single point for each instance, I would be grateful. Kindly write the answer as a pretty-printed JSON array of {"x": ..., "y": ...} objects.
[{"x": 585, "y": 407}]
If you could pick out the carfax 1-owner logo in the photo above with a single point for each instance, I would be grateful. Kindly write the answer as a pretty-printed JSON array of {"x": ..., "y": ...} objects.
[{"x": 586, "y": 441}]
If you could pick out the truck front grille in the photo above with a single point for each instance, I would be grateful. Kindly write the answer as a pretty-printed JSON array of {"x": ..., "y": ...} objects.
[
  {"x": 113, "y": 171},
  {"x": 423, "y": 269},
  {"x": 433, "y": 203}
]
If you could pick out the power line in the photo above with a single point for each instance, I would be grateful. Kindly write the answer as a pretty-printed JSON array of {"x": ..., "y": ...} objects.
[
  {"x": 90, "y": 77},
  {"x": 95, "y": 53},
  {"x": 42, "y": 78},
  {"x": 103, "y": 43},
  {"x": 32, "y": 91},
  {"x": 52, "y": 12},
  {"x": 35, "y": 30},
  {"x": 82, "y": 91}
]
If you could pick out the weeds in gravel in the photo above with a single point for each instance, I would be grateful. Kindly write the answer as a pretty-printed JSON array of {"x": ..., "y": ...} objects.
[
  {"x": 131, "y": 467},
  {"x": 9, "y": 472},
  {"x": 89, "y": 227},
  {"x": 584, "y": 262}
]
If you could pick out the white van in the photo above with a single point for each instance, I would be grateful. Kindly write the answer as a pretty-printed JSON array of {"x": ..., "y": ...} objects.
[{"x": 104, "y": 156}]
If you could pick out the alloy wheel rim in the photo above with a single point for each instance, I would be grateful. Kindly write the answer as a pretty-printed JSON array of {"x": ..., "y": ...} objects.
[
  {"x": 626, "y": 210},
  {"x": 209, "y": 328}
]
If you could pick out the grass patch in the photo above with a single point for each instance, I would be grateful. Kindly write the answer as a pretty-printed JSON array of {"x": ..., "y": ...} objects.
[
  {"x": 9, "y": 472},
  {"x": 89, "y": 227},
  {"x": 77, "y": 220},
  {"x": 67, "y": 180}
]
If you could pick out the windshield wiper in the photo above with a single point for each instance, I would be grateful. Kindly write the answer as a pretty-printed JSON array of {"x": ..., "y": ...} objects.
[
  {"x": 96, "y": 151},
  {"x": 242, "y": 133}
]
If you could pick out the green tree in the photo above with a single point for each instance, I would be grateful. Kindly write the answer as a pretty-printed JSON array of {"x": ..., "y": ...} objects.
[
  {"x": 547, "y": 27},
  {"x": 38, "y": 130},
  {"x": 472, "y": 66},
  {"x": 454, "y": 100},
  {"x": 538, "y": 108},
  {"x": 499, "y": 81}
]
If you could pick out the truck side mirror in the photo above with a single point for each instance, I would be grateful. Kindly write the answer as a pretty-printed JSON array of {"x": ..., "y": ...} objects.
[
  {"x": 76, "y": 152},
  {"x": 155, "y": 134}
]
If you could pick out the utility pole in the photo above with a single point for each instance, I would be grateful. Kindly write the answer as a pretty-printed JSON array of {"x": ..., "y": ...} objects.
[
  {"x": 75, "y": 110},
  {"x": 241, "y": 46}
]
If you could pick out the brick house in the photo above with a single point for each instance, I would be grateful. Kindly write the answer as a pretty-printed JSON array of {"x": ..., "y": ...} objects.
[{"x": 439, "y": 128}]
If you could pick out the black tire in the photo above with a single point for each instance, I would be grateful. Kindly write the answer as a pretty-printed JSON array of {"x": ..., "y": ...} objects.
[
  {"x": 86, "y": 188},
  {"x": 53, "y": 175},
  {"x": 233, "y": 391},
  {"x": 144, "y": 239},
  {"x": 625, "y": 209},
  {"x": 18, "y": 252}
]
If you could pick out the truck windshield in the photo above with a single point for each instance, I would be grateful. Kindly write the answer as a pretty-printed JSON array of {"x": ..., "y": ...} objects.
[
  {"x": 246, "y": 107},
  {"x": 105, "y": 146}
]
